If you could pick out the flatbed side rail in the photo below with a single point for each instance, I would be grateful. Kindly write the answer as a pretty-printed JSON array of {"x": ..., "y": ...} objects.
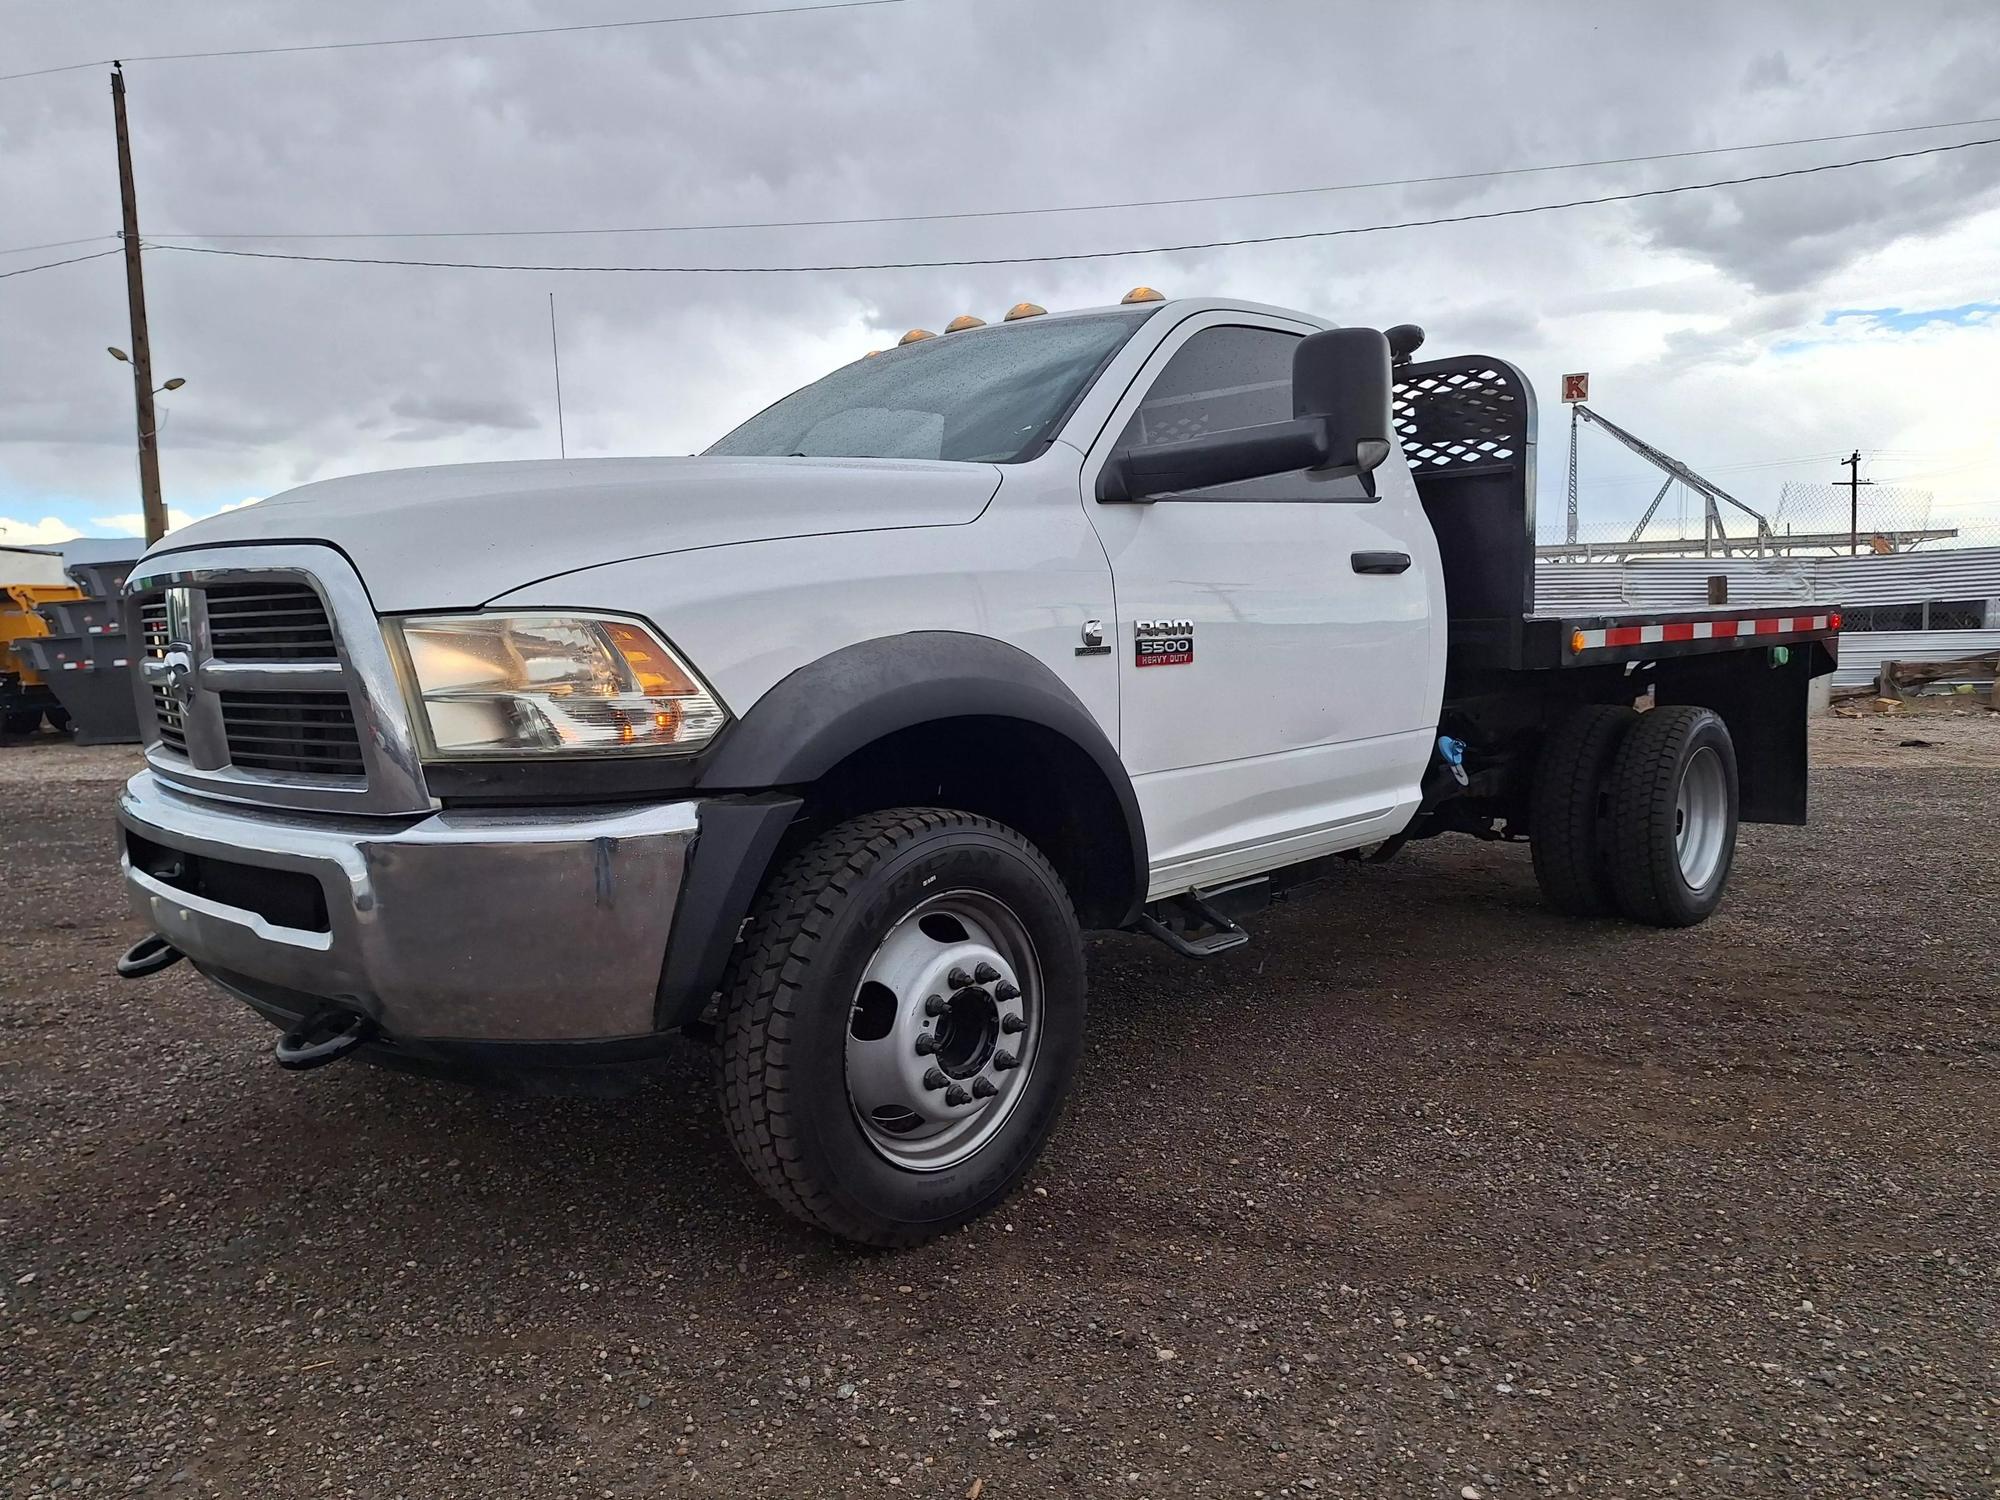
[{"x": 1598, "y": 640}]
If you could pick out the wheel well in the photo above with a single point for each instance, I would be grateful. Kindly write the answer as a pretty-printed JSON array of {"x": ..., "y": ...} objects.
[{"x": 1022, "y": 774}]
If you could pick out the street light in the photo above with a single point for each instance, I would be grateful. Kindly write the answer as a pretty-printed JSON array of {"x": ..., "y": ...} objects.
[
  {"x": 149, "y": 470},
  {"x": 125, "y": 359}
]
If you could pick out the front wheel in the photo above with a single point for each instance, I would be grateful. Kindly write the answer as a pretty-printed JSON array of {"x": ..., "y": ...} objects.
[{"x": 901, "y": 1023}]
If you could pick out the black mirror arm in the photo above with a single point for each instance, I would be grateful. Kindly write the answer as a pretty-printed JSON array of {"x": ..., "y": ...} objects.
[{"x": 1138, "y": 474}]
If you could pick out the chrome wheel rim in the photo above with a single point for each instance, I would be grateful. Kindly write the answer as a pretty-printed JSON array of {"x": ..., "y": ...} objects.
[
  {"x": 943, "y": 1030},
  {"x": 1701, "y": 817}
]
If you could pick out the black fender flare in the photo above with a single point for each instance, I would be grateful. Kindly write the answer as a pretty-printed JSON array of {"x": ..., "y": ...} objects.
[
  {"x": 816, "y": 717},
  {"x": 821, "y": 713}
]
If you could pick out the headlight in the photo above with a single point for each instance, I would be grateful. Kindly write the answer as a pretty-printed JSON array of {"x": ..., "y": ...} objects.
[{"x": 509, "y": 685}]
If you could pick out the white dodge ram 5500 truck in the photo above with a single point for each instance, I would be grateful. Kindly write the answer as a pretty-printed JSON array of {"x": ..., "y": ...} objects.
[{"x": 826, "y": 744}]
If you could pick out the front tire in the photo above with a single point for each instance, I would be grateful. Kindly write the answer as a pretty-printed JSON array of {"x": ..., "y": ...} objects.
[
  {"x": 1672, "y": 808},
  {"x": 901, "y": 1023}
]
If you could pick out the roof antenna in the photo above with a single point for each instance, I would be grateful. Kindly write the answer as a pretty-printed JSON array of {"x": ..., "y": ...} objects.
[{"x": 555, "y": 354}]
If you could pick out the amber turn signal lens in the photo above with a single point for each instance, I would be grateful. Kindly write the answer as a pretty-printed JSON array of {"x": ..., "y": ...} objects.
[{"x": 657, "y": 677}]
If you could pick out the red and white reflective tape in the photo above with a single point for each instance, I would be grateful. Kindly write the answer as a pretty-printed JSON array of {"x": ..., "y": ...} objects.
[{"x": 1700, "y": 630}]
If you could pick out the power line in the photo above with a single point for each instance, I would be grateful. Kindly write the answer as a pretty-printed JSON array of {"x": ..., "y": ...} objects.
[
  {"x": 50, "y": 265},
  {"x": 1018, "y": 260},
  {"x": 1079, "y": 208},
  {"x": 462, "y": 36},
  {"x": 56, "y": 244}
]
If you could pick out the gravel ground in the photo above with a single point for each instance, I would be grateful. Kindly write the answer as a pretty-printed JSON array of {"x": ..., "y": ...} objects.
[{"x": 1425, "y": 1193}]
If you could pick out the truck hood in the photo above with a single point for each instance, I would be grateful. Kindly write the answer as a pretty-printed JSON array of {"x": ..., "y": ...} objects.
[{"x": 457, "y": 536}]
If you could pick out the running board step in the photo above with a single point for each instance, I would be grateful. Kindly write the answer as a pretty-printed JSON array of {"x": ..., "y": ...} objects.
[{"x": 1171, "y": 921}]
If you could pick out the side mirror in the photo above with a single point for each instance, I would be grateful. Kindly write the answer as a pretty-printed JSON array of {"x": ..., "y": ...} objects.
[
  {"x": 1341, "y": 377},
  {"x": 1340, "y": 403}
]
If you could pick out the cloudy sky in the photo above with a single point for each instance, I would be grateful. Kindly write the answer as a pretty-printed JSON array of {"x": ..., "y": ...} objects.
[{"x": 1759, "y": 332}]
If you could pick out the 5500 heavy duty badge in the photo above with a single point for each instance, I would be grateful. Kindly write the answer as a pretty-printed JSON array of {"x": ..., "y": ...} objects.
[{"x": 1163, "y": 643}]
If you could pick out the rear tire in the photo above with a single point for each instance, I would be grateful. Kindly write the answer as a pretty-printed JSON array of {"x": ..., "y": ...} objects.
[
  {"x": 58, "y": 719},
  {"x": 1672, "y": 816},
  {"x": 837, "y": 1011},
  {"x": 1572, "y": 864}
]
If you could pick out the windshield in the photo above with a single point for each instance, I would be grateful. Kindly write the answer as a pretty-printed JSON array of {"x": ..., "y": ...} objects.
[{"x": 989, "y": 395}]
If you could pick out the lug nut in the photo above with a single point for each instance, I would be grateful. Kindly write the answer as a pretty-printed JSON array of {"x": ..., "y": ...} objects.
[
  {"x": 1004, "y": 1060},
  {"x": 956, "y": 1094},
  {"x": 926, "y": 1044},
  {"x": 1007, "y": 990},
  {"x": 958, "y": 979},
  {"x": 935, "y": 1005},
  {"x": 985, "y": 974},
  {"x": 984, "y": 1087},
  {"x": 1011, "y": 1025},
  {"x": 935, "y": 1079}
]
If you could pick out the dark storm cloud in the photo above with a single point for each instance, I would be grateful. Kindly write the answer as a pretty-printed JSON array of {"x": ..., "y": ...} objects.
[{"x": 296, "y": 371}]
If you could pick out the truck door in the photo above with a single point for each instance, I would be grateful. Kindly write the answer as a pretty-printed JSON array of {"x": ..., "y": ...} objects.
[{"x": 1280, "y": 641}]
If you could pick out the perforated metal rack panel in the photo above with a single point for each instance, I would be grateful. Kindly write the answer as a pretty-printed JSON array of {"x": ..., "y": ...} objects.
[
  {"x": 1467, "y": 426},
  {"x": 1452, "y": 413}
]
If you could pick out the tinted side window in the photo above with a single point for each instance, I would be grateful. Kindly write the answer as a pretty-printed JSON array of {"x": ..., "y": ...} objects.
[{"x": 1220, "y": 379}]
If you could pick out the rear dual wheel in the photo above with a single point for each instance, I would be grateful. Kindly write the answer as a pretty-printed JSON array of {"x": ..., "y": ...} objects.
[
  {"x": 1636, "y": 813},
  {"x": 901, "y": 1023},
  {"x": 1671, "y": 816}
]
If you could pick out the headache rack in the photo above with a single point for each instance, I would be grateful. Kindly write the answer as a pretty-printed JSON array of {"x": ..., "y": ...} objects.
[{"x": 1467, "y": 426}]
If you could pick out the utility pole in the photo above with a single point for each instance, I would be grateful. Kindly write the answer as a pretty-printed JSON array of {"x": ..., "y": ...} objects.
[
  {"x": 1854, "y": 483},
  {"x": 142, "y": 349}
]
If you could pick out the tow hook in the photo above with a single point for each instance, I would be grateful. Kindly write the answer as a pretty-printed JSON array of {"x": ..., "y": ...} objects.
[
  {"x": 149, "y": 955},
  {"x": 322, "y": 1037}
]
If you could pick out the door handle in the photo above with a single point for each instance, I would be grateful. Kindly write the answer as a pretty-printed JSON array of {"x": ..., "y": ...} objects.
[{"x": 1381, "y": 562}]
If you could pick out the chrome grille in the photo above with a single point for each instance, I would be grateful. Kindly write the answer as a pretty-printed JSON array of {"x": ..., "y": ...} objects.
[
  {"x": 154, "y": 636},
  {"x": 268, "y": 622},
  {"x": 311, "y": 733},
  {"x": 267, "y": 680}
]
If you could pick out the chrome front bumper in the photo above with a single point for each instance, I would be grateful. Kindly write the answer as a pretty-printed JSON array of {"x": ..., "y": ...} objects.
[{"x": 478, "y": 925}]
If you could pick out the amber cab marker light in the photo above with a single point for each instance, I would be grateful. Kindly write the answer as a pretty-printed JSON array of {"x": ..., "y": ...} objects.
[
  {"x": 962, "y": 322},
  {"x": 915, "y": 335},
  {"x": 1022, "y": 310},
  {"x": 1142, "y": 294}
]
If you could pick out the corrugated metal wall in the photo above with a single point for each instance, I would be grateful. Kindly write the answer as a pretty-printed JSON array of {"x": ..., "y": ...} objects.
[
  {"x": 1682, "y": 582},
  {"x": 1862, "y": 652},
  {"x": 1901, "y": 578}
]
